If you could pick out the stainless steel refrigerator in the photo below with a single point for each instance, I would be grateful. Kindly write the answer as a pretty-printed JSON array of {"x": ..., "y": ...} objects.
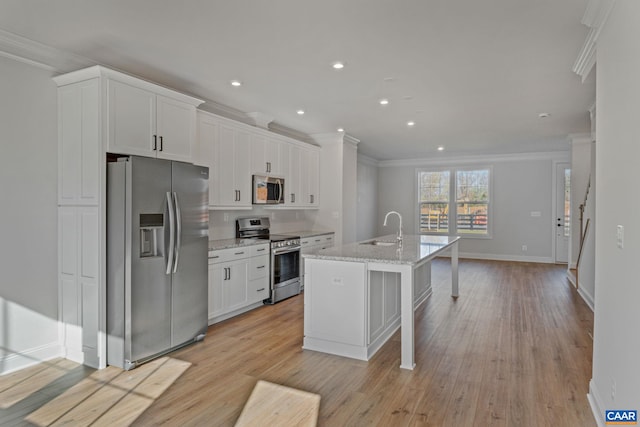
[{"x": 157, "y": 248}]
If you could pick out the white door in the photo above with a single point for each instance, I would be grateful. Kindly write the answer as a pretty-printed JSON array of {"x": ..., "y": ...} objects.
[{"x": 563, "y": 213}]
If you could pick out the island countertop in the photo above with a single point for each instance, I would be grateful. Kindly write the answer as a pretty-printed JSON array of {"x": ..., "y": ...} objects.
[{"x": 415, "y": 248}]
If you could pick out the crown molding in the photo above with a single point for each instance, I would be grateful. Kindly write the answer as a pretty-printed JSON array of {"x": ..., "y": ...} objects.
[
  {"x": 580, "y": 138},
  {"x": 362, "y": 158},
  {"x": 335, "y": 138},
  {"x": 481, "y": 158},
  {"x": 594, "y": 17},
  {"x": 351, "y": 140},
  {"x": 260, "y": 120},
  {"x": 40, "y": 55},
  {"x": 291, "y": 133}
]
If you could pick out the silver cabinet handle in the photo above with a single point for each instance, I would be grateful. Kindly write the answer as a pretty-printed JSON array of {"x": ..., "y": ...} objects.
[
  {"x": 171, "y": 232},
  {"x": 178, "y": 229}
]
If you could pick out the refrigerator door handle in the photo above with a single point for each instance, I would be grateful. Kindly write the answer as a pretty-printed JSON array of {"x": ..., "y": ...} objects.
[
  {"x": 172, "y": 233},
  {"x": 178, "y": 231}
]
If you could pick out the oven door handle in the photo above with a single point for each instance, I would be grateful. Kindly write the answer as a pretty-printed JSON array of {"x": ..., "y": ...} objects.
[{"x": 285, "y": 250}]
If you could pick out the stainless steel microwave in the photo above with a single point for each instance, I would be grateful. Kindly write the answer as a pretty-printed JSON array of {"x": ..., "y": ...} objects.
[{"x": 267, "y": 190}]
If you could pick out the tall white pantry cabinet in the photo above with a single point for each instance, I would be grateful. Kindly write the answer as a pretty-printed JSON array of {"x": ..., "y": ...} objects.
[{"x": 102, "y": 111}]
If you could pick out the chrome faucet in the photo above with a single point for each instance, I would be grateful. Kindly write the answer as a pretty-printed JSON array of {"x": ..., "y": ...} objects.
[{"x": 399, "y": 226}]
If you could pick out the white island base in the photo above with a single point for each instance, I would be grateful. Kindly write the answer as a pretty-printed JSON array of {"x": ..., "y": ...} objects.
[
  {"x": 358, "y": 295},
  {"x": 352, "y": 311}
]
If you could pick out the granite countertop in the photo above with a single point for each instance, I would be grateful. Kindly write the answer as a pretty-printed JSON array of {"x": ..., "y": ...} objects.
[
  {"x": 415, "y": 248},
  {"x": 234, "y": 243},
  {"x": 307, "y": 233}
]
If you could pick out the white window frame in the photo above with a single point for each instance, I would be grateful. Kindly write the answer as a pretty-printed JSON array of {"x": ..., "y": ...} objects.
[{"x": 453, "y": 211}]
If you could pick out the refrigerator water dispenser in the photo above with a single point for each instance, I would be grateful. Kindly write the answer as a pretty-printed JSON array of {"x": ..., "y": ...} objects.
[{"x": 151, "y": 235}]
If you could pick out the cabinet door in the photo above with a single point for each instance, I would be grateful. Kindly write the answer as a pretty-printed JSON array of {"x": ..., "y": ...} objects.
[
  {"x": 293, "y": 178},
  {"x": 242, "y": 172},
  {"x": 305, "y": 196},
  {"x": 217, "y": 274},
  {"x": 259, "y": 162},
  {"x": 313, "y": 172},
  {"x": 175, "y": 129},
  {"x": 207, "y": 131},
  {"x": 227, "y": 194},
  {"x": 79, "y": 144},
  {"x": 234, "y": 288},
  {"x": 132, "y": 120},
  {"x": 233, "y": 165}
]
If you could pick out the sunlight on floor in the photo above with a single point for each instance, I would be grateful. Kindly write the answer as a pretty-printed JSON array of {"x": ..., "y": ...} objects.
[{"x": 109, "y": 396}]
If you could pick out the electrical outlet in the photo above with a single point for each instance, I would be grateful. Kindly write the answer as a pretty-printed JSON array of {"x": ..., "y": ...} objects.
[
  {"x": 613, "y": 389},
  {"x": 226, "y": 217},
  {"x": 524, "y": 248}
]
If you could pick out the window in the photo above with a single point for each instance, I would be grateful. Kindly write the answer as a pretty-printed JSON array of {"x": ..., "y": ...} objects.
[{"x": 454, "y": 201}]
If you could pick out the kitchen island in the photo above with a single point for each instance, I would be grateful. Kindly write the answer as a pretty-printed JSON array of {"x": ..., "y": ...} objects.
[{"x": 357, "y": 295}]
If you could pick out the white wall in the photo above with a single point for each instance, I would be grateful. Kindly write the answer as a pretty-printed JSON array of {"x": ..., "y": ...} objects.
[
  {"x": 616, "y": 346},
  {"x": 367, "y": 199},
  {"x": 28, "y": 224},
  {"x": 521, "y": 184}
]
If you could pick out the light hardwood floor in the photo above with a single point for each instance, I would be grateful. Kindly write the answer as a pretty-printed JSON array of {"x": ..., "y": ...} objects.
[{"x": 513, "y": 350}]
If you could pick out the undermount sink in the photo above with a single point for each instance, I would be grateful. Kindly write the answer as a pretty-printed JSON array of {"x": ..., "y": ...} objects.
[{"x": 378, "y": 243}]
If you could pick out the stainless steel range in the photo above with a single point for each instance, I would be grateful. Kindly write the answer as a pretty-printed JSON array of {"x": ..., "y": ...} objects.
[{"x": 285, "y": 257}]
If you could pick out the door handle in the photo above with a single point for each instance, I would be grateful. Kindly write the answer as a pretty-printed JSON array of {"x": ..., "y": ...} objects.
[
  {"x": 178, "y": 229},
  {"x": 172, "y": 242}
]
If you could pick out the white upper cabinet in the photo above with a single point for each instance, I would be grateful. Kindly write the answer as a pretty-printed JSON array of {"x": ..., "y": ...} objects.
[
  {"x": 142, "y": 122},
  {"x": 234, "y": 152},
  {"x": 234, "y": 177},
  {"x": 265, "y": 155},
  {"x": 224, "y": 147},
  {"x": 292, "y": 181},
  {"x": 313, "y": 176},
  {"x": 79, "y": 147}
]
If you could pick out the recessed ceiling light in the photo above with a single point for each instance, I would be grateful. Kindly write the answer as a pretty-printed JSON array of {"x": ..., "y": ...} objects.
[
  {"x": 236, "y": 83},
  {"x": 340, "y": 129},
  {"x": 543, "y": 115},
  {"x": 300, "y": 112},
  {"x": 389, "y": 79},
  {"x": 441, "y": 148},
  {"x": 338, "y": 65},
  {"x": 407, "y": 97},
  {"x": 384, "y": 101},
  {"x": 411, "y": 123}
]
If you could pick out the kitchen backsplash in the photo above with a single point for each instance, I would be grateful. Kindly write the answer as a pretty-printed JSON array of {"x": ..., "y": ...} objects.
[{"x": 222, "y": 224}]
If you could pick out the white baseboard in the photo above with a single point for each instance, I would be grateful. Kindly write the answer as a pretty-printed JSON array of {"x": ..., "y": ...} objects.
[
  {"x": 497, "y": 257},
  {"x": 16, "y": 361},
  {"x": 587, "y": 297},
  {"x": 596, "y": 404}
]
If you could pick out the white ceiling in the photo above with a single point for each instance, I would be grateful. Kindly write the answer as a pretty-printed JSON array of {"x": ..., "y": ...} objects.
[{"x": 473, "y": 75}]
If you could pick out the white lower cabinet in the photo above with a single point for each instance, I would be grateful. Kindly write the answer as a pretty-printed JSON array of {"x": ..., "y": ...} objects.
[
  {"x": 238, "y": 280},
  {"x": 312, "y": 244}
]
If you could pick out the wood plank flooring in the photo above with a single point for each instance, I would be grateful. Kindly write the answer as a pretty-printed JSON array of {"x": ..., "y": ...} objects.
[{"x": 513, "y": 350}]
